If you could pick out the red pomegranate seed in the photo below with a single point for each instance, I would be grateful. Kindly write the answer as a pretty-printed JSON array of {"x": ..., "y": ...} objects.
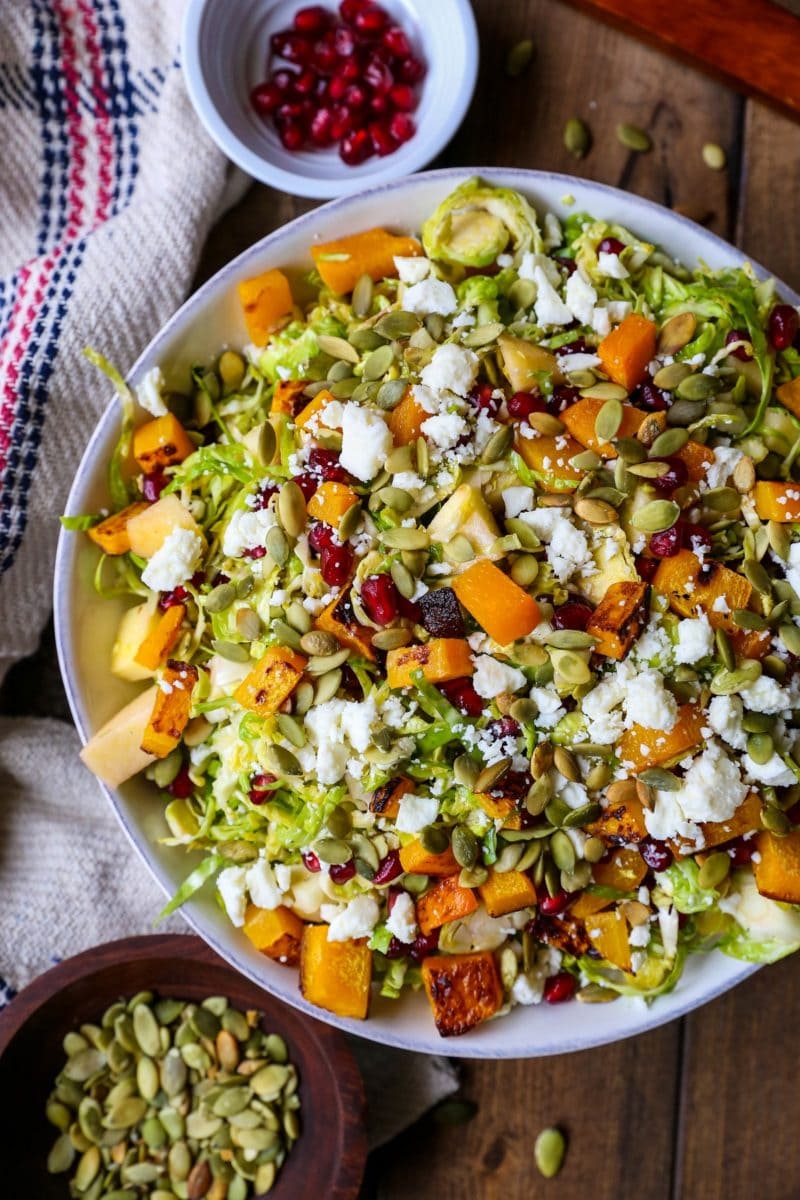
[
  {"x": 306, "y": 83},
  {"x": 307, "y": 483},
  {"x": 343, "y": 42},
  {"x": 504, "y": 727},
  {"x": 411, "y": 69},
  {"x": 338, "y": 86},
  {"x": 611, "y": 245},
  {"x": 260, "y": 788},
  {"x": 572, "y": 615},
  {"x": 403, "y": 97},
  {"x": 668, "y": 543},
  {"x": 392, "y": 897},
  {"x": 482, "y": 397},
  {"x": 336, "y": 564},
  {"x": 219, "y": 578},
  {"x": 356, "y": 96},
  {"x": 292, "y": 135},
  {"x": 265, "y": 98},
  {"x": 696, "y": 538},
  {"x": 292, "y": 46},
  {"x": 741, "y": 352},
  {"x": 650, "y": 398},
  {"x": 567, "y": 264},
  {"x": 657, "y": 855},
  {"x": 178, "y": 595},
  {"x": 423, "y": 945},
  {"x": 522, "y": 404},
  {"x": 343, "y": 121},
  {"x": 326, "y": 56},
  {"x": 389, "y": 868},
  {"x": 380, "y": 597},
  {"x": 311, "y": 862},
  {"x": 551, "y": 906},
  {"x": 264, "y": 495},
  {"x": 312, "y": 20},
  {"x": 675, "y": 477},
  {"x": 349, "y": 8},
  {"x": 153, "y": 485},
  {"x": 340, "y": 873},
  {"x": 255, "y": 552},
  {"x": 395, "y": 41},
  {"x": 320, "y": 536},
  {"x": 410, "y": 610},
  {"x": 379, "y": 103},
  {"x": 356, "y": 147},
  {"x": 371, "y": 20},
  {"x": 462, "y": 695},
  {"x": 326, "y": 464},
  {"x": 284, "y": 79},
  {"x": 401, "y": 127},
  {"x": 563, "y": 395},
  {"x": 379, "y": 76},
  {"x": 559, "y": 988},
  {"x": 182, "y": 786},
  {"x": 320, "y": 129},
  {"x": 294, "y": 110},
  {"x": 578, "y": 345},
  {"x": 647, "y": 568},
  {"x": 782, "y": 326},
  {"x": 741, "y": 851},
  {"x": 382, "y": 141}
]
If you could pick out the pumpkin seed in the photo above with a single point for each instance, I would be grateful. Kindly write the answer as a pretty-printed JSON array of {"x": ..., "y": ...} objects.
[
  {"x": 220, "y": 598},
  {"x": 465, "y": 846},
  {"x": 524, "y": 570},
  {"x": 676, "y": 333},
  {"x": 686, "y": 412},
  {"x": 84, "y": 1064},
  {"x": 656, "y": 516},
  {"x": 519, "y": 58},
  {"x": 527, "y": 538},
  {"x": 775, "y": 820},
  {"x": 292, "y": 508},
  {"x": 391, "y": 639},
  {"x": 549, "y": 1151},
  {"x": 587, "y": 460},
  {"x": 327, "y": 686},
  {"x": 397, "y": 324},
  {"x": 546, "y": 424},
  {"x": 725, "y": 649},
  {"x": 389, "y": 396},
  {"x": 473, "y": 877},
  {"x": 434, "y": 839},
  {"x": 569, "y": 639},
  {"x": 698, "y": 386},
  {"x": 482, "y": 335},
  {"x": 232, "y": 651},
  {"x": 61, "y": 1156},
  {"x": 319, "y": 642},
  {"x": 790, "y": 636},
  {"x": 406, "y": 538},
  {"x": 595, "y": 993},
  {"x": 608, "y": 420},
  {"x": 378, "y": 362},
  {"x": 337, "y": 347},
  {"x": 280, "y": 761},
  {"x": 333, "y": 851},
  {"x": 714, "y": 156},
  {"x": 714, "y": 870},
  {"x": 349, "y": 523},
  {"x": 466, "y": 771},
  {"x": 491, "y": 775},
  {"x": 577, "y": 138},
  {"x": 522, "y": 293},
  {"x": 322, "y": 664},
  {"x": 726, "y": 683},
  {"x": 605, "y": 391},
  {"x": 87, "y": 1169},
  {"x": 566, "y": 764},
  {"x": 596, "y": 512},
  {"x": 570, "y": 667},
  {"x": 173, "y": 1073},
  {"x": 277, "y": 545},
  {"x": 630, "y": 450},
  {"x": 757, "y": 575},
  {"x": 633, "y": 138},
  {"x": 669, "y": 377},
  {"x": 396, "y": 498},
  {"x": 760, "y": 747},
  {"x": 248, "y": 624},
  {"x": 779, "y": 539},
  {"x": 261, "y": 443},
  {"x": 584, "y": 815},
  {"x": 291, "y": 729},
  {"x": 498, "y": 445},
  {"x": 594, "y": 848},
  {"x": 660, "y": 779},
  {"x": 298, "y": 617},
  {"x": 599, "y": 775},
  {"x": 722, "y": 499},
  {"x": 649, "y": 429},
  {"x": 361, "y": 299},
  {"x": 459, "y": 549},
  {"x": 649, "y": 470},
  {"x": 668, "y": 443},
  {"x": 744, "y": 475}
]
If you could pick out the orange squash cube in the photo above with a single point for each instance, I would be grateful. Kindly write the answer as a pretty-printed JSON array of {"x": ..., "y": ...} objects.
[
  {"x": 338, "y": 618},
  {"x": 777, "y": 501},
  {"x": 445, "y": 901},
  {"x": 627, "y": 351},
  {"x": 691, "y": 590},
  {"x": 695, "y": 457},
  {"x": 619, "y": 619},
  {"x": 331, "y": 501},
  {"x": 405, "y": 420},
  {"x": 550, "y": 461},
  {"x": 171, "y": 709},
  {"x": 416, "y": 860},
  {"x": 335, "y": 976},
  {"x": 623, "y": 871},
  {"x": 341, "y": 263},
  {"x": 463, "y": 990},
  {"x": 587, "y": 904},
  {"x": 623, "y": 822},
  {"x": 288, "y": 398},
  {"x": 662, "y": 748},
  {"x": 498, "y": 604},
  {"x": 273, "y": 679},
  {"x": 507, "y": 892},
  {"x": 161, "y": 443},
  {"x": 158, "y": 644},
  {"x": 385, "y": 801},
  {"x": 314, "y": 406},
  {"x": 777, "y": 875},
  {"x": 111, "y": 535},
  {"x": 265, "y": 299},
  {"x": 608, "y": 933},
  {"x": 580, "y": 418},
  {"x": 276, "y": 932},
  {"x": 439, "y": 659},
  {"x": 789, "y": 395}
]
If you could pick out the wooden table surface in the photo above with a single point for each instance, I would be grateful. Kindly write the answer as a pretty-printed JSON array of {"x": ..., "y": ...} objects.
[{"x": 707, "y": 1107}]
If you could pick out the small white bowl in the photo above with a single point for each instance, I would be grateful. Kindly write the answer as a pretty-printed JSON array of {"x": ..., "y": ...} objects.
[{"x": 225, "y": 50}]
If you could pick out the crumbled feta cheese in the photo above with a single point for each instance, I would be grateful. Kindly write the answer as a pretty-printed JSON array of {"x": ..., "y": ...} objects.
[
  {"x": 577, "y": 362},
  {"x": 402, "y": 920},
  {"x": 600, "y": 706},
  {"x": 718, "y": 471},
  {"x": 639, "y": 935},
  {"x": 452, "y": 368},
  {"x": 175, "y": 561},
  {"x": 415, "y": 812},
  {"x": 553, "y": 235},
  {"x": 549, "y": 704},
  {"x": 430, "y": 296},
  {"x": 720, "y": 605},
  {"x": 408, "y": 481},
  {"x": 357, "y": 921},
  {"x": 668, "y": 924},
  {"x": 792, "y": 567},
  {"x": 334, "y": 724},
  {"x": 531, "y": 262},
  {"x": 765, "y": 695},
  {"x": 445, "y": 430},
  {"x": 601, "y": 321},
  {"x": 581, "y": 297},
  {"x": 611, "y": 265},
  {"x": 366, "y": 441},
  {"x": 412, "y": 270},
  {"x": 617, "y": 310},
  {"x": 148, "y": 393},
  {"x": 550, "y": 308},
  {"x": 232, "y": 887},
  {"x": 725, "y": 718},
  {"x": 262, "y": 885},
  {"x": 773, "y": 773},
  {"x": 491, "y": 677},
  {"x": 517, "y": 500},
  {"x": 695, "y": 639},
  {"x": 712, "y": 790},
  {"x": 649, "y": 704},
  {"x": 247, "y": 529}
]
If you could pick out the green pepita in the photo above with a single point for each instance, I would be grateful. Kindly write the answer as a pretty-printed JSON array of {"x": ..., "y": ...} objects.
[
  {"x": 577, "y": 138},
  {"x": 633, "y": 138},
  {"x": 656, "y": 516}
]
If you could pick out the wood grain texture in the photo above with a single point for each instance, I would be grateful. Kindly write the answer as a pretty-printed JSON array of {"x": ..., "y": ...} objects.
[
  {"x": 756, "y": 51},
  {"x": 767, "y": 225}
]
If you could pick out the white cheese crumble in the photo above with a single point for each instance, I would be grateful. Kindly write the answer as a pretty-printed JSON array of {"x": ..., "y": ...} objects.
[
  {"x": 725, "y": 718},
  {"x": 581, "y": 297},
  {"x": 263, "y": 886},
  {"x": 491, "y": 677},
  {"x": 357, "y": 920},
  {"x": 412, "y": 270},
  {"x": 611, "y": 265},
  {"x": 718, "y": 471},
  {"x": 430, "y": 296},
  {"x": 148, "y": 393},
  {"x": 517, "y": 500},
  {"x": 415, "y": 812},
  {"x": 550, "y": 308},
  {"x": 712, "y": 790},
  {"x": 452, "y": 368},
  {"x": 366, "y": 441},
  {"x": 765, "y": 695},
  {"x": 649, "y": 704},
  {"x": 773, "y": 773},
  {"x": 695, "y": 640},
  {"x": 232, "y": 887},
  {"x": 402, "y": 920},
  {"x": 247, "y": 529},
  {"x": 175, "y": 561},
  {"x": 445, "y": 430}
]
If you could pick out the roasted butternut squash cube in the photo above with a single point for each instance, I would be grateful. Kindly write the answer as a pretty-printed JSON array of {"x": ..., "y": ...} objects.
[
  {"x": 342, "y": 263},
  {"x": 619, "y": 619},
  {"x": 288, "y": 398},
  {"x": 161, "y": 640},
  {"x": 789, "y": 395},
  {"x": 620, "y": 823},
  {"x": 331, "y": 501},
  {"x": 777, "y": 501},
  {"x": 385, "y": 801},
  {"x": 587, "y": 904},
  {"x": 627, "y": 351},
  {"x": 111, "y": 535},
  {"x": 405, "y": 420},
  {"x": 463, "y": 990},
  {"x": 692, "y": 589},
  {"x": 777, "y": 875},
  {"x": 439, "y": 659},
  {"x": 746, "y": 819},
  {"x": 416, "y": 860},
  {"x": 565, "y": 933},
  {"x": 150, "y": 528},
  {"x": 271, "y": 681},
  {"x": 696, "y": 458},
  {"x": 507, "y": 892},
  {"x": 608, "y": 933},
  {"x": 498, "y": 604},
  {"x": 266, "y": 299},
  {"x": 445, "y": 901},
  {"x": 623, "y": 871},
  {"x": 161, "y": 443},
  {"x": 550, "y": 461},
  {"x": 640, "y": 748},
  {"x": 335, "y": 976},
  {"x": 340, "y": 620},
  {"x": 276, "y": 932},
  {"x": 313, "y": 408},
  {"x": 173, "y": 704},
  {"x": 580, "y": 419}
]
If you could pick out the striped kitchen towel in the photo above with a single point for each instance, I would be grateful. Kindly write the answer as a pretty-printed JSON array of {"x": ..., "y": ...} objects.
[{"x": 109, "y": 186}]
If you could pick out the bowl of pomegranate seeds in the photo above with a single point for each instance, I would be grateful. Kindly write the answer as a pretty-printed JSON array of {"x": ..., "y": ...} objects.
[{"x": 323, "y": 99}]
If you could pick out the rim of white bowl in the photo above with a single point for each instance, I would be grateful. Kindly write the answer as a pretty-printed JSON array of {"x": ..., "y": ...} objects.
[
  {"x": 642, "y": 1018},
  {"x": 407, "y": 160}
]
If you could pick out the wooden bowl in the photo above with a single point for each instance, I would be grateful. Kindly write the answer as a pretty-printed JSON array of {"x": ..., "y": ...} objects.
[{"x": 327, "y": 1160}]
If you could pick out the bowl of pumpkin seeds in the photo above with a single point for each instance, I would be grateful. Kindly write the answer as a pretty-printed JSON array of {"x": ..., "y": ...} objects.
[{"x": 154, "y": 1070}]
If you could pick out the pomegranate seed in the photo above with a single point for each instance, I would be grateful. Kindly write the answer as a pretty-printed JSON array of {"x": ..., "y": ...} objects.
[
  {"x": 741, "y": 852},
  {"x": 311, "y": 862},
  {"x": 219, "y": 578},
  {"x": 255, "y": 552},
  {"x": 651, "y": 398},
  {"x": 391, "y": 898},
  {"x": 379, "y": 76},
  {"x": 559, "y": 988},
  {"x": 350, "y": 69},
  {"x": 292, "y": 135},
  {"x": 741, "y": 352},
  {"x": 395, "y": 41},
  {"x": 284, "y": 79},
  {"x": 313, "y": 19},
  {"x": 307, "y": 483},
  {"x": 567, "y": 264},
  {"x": 320, "y": 129},
  {"x": 396, "y": 948},
  {"x": 380, "y": 597},
  {"x": 379, "y": 103},
  {"x": 782, "y": 326},
  {"x": 338, "y": 86},
  {"x": 306, "y": 82},
  {"x": 423, "y": 945},
  {"x": 482, "y": 396},
  {"x": 349, "y": 8},
  {"x": 336, "y": 564},
  {"x": 326, "y": 56},
  {"x": 343, "y": 121},
  {"x": 389, "y": 868},
  {"x": 264, "y": 495},
  {"x": 265, "y": 98},
  {"x": 382, "y": 141},
  {"x": 411, "y": 69},
  {"x": 551, "y": 906},
  {"x": 504, "y": 727},
  {"x": 182, "y": 786},
  {"x": 647, "y": 568},
  {"x": 522, "y": 404},
  {"x": 403, "y": 97},
  {"x": 260, "y": 788},
  {"x": 343, "y": 42},
  {"x": 153, "y": 485},
  {"x": 178, "y": 595},
  {"x": 320, "y": 536},
  {"x": 668, "y": 543},
  {"x": 563, "y": 395},
  {"x": 462, "y": 695},
  {"x": 578, "y": 345},
  {"x": 355, "y": 96},
  {"x": 371, "y": 20},
  {"x": 611, "y": 245},
  {"x": 356, "y": 147},
  {"x": 572, "y": 615},
  {"x": 291, "y": 46},
  {"x": 401, "y": 127},
  {"x": 675, "y": 477},
  {"x": 340, "y": 873},
  {"x": 410, "y": 610},
  {"x": 294, "y": 110},
  {"x": 657, "y": 855},
  {"x": 326, "y": 464},
  {"x": 697, "y": 539}
]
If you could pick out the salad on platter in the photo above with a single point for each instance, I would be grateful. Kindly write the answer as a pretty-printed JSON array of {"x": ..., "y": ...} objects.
[{"x": 466, "y": 600}]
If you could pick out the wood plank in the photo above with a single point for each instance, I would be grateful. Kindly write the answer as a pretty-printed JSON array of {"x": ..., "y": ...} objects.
[
  {"x": 260, "y": 210},
  {"x": 768, "y": 227},
  {"x": 756, "y": 52},
  {"x": 615, "y": 1104}
]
